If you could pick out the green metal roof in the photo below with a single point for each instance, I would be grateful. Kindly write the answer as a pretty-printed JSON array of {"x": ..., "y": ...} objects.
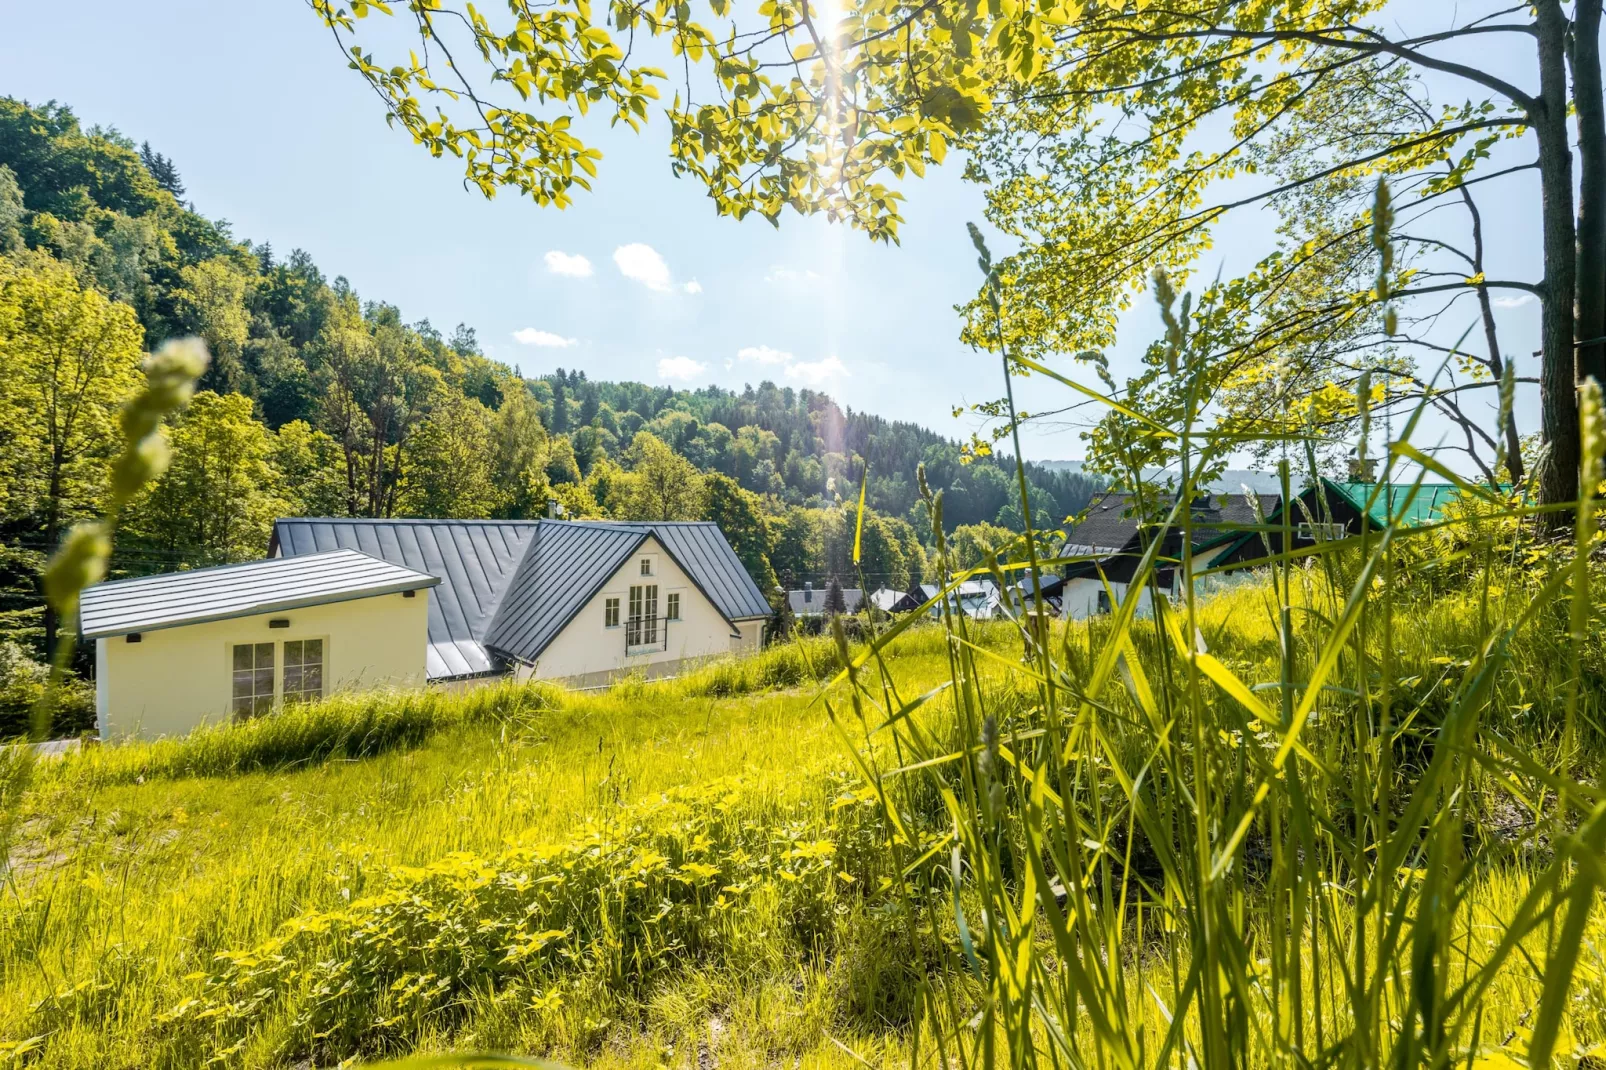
[{"x": 1412, "y": 504}]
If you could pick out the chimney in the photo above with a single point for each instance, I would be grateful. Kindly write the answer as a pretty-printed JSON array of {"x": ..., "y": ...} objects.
[
  {"x": 554, "y": 509},
  {"x": 808, "y": 591}
]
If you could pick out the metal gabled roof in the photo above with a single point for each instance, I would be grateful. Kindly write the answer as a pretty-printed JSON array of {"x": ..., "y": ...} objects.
[
  {"x": 565, "y": 565},
  {"x": 475, "y": 559},
  {"x": 500, "y": 591},
  {"x": 707, "y": 556},
  {"x": 223, "y": 592}
]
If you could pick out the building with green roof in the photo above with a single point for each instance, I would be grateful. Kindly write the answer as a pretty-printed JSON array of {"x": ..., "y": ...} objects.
[{"x": 1328, "y": 511}]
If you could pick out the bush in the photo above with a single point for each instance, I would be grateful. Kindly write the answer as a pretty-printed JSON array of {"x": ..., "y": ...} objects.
[{"x": 22, "y": 685}]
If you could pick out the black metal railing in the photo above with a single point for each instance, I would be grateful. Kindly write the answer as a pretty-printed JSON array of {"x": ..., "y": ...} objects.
[{"x": 644, "y": 635}]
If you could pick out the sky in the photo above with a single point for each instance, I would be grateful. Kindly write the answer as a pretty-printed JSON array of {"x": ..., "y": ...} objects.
[{"x": 639, "y": 279}]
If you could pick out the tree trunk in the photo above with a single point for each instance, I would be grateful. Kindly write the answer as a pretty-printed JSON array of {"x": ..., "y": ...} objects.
[
  {"x": 1590, "y": 301},
  {"x": 1491, "y": 338},
  {"x": 1557, "y": 377},
  {"x": 52, "y": 538}
]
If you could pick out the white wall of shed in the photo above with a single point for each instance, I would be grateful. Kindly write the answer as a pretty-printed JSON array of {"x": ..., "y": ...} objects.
[{"x": 176, "y": 679}]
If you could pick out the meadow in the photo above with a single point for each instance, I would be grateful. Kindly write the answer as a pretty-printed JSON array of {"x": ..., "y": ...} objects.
[{"x": 769, "y": 862}]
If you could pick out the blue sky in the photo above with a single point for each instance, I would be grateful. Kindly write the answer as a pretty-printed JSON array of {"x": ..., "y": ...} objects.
[{"x": 638, "y": 280}]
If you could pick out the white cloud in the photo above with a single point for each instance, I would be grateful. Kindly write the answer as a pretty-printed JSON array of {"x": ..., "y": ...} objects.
[
  {"x": 763, "y": 355},
  {"x": 573, "y": 265},
  {"x": 683, "y": 368},
  {"x": 693, "y": 287},
  {"x": 643, "y": 264},
  {"x": 1512, "y": 302},
  {"x": 782, "y": 273},
  {"x": 531, "y": 336},
  {"x": 817, "y": 372}
]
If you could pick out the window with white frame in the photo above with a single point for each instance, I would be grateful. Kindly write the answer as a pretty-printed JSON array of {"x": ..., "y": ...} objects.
[
  {"x": 672, "y": 606},
  {"x": 303, "y": 670},
  {"x": 253, "y": 679},
  {"x": 642, "y": 628},
  {"x": 646, "y": 566},
  {"x": 1324, "y": 532},
  {"x": 610, "y": 612}
]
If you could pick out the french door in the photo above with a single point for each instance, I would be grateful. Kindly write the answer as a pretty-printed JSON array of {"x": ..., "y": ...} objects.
[{"x": 641, "y": 629}]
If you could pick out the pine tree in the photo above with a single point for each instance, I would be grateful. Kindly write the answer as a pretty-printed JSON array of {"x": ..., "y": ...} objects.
[
  {"x": 162, "y": 169},
  {"x": 560, "y": 408},
  {"x": 835, "y": 602}
]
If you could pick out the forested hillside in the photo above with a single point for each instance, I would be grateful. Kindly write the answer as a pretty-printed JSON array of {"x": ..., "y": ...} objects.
[{"x": 322, "y": 402}]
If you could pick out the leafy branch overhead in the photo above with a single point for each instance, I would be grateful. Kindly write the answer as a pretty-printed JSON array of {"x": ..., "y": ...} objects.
[
  {"x": 1087, "y": 121},
  {"x": 797, "y": 110}
]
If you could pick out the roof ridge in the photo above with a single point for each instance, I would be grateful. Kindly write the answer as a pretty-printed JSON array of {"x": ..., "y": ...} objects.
[
  {"x": 431, "y": 520},
  {"x": 265, "y": 561}
]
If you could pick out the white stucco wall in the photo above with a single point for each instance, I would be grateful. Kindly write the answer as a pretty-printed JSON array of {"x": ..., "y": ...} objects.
[
  {"x": 586, "y": 646},
  {"x": 752, "y": 636},
  {"x": 1080, "y": 598},
  {"x": 174, "y": 679}
]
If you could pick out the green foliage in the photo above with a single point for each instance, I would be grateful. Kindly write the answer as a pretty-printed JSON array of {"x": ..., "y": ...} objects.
[
  {"x": 446, "y": 473},
  {"x": 218, "y": 499},
  {"x": 658, "y": 485},
  {"x": 740, "y": 515},
  {"x": 23, "y": 682},
  {"x": 970, "y": 545}
]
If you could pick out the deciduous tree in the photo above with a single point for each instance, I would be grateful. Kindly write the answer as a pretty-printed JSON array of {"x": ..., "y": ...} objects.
[
  {"x": 71, "y": 358},
  {"x": 662, "y": 485}
]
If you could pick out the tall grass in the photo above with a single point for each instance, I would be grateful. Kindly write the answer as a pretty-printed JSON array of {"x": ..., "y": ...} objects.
[{"x": 1377, "y": 843}]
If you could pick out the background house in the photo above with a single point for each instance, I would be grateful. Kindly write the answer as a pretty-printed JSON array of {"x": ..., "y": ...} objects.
[
  {"x": 177, "y": 650},
  {"x": 975, "y": 598},
  {"x": 581, "y": 602},
  {"x": 809, "y": 600},
  {"x": 1114, "y": 537},
  {"x": 1328, "y": 511}
]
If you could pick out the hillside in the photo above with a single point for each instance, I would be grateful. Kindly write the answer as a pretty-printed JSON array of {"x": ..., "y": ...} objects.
[
  {"x": 1231, "y": 481},
  {"x": 321, "y": 401}
]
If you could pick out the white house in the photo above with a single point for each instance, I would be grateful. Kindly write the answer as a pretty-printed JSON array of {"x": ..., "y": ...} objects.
[
  {"x": 580, "y": 602},
  {"x": 976, "y": 599},
  {"x": 177, "y": 650}
]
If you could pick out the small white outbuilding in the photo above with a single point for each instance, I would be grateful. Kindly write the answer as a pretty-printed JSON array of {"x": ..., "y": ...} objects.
[{"x": 237, "y": 641}]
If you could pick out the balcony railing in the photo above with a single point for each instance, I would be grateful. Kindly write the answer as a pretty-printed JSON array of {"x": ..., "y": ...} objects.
[{"x": 646, "y": 635}]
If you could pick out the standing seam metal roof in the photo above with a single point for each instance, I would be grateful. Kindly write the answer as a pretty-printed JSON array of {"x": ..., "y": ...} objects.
[
  {"x": 223, "y": 592},
  {"x": 510, "y": 586},
  {"x": 474, "y": 559},
  {"x": 560, "y": 572}
]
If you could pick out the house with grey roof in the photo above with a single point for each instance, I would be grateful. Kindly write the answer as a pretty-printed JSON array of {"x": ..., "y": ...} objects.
[
  {"x": 238, "y": 641},
  {"x": 809, "y": 600},
  {"x": 581, "y": 602}
]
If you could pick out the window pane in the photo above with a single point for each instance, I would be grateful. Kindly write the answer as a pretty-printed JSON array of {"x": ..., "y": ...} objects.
[
  {"x": 292, "y": 653},
  {"x": 312, "y": 680},
  {"x": 242, "y": 685},
  {"x": 242, "y": 656},
  {"x": 312, "y": 651},
  {"x": 292, "y": 678},
  {"x": 264, "y": 655}
]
